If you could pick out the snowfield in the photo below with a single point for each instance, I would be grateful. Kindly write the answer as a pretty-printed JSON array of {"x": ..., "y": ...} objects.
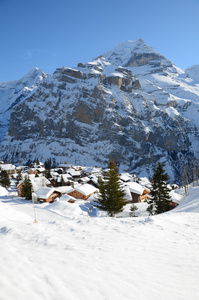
[{"x": 71, "y": 256}]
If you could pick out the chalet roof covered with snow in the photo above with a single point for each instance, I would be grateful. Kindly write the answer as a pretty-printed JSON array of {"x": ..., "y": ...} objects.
[
  {"x": 67, "y": 198},
  {"x": 74, "y": 173},
  {"x": 125, "y": 177},
  {"x": 44, "y": 192},
  {"x": 65, "y": 189},
  {"x": 86, "y": 189},
  {"x": 7, "y": 167},
  {"x": 135, "y": 187}
]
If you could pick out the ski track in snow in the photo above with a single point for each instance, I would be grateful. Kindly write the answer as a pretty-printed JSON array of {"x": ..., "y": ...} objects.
[{"x": 96, "y": 258}]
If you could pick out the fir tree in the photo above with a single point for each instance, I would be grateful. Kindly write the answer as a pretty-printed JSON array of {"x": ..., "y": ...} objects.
[
  {"x": 62, "y": 182},
  {"x": 47, "y": 166},
  {"x": 27, "y": 188},
  {"x": 111, "y": 196},
  {"x": 47, "y": 173},
  {"x": 133, "y": 208},
  {"x": 160, "y": 200},
  {"x": 19, "y": 175},
  {"x": 4, "y": 179}
]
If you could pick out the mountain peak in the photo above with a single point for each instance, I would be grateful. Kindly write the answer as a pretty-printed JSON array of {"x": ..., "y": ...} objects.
[
  {"x": 35, "y": 75},
  {"x": 133, "y": 54},
  {"x": 193, "y": 72}
]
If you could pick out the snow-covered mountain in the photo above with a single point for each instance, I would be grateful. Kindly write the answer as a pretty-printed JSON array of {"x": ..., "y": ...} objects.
[
  {"x": 193, "y": 72},
  {"x": 131, "y": 103},
  {"x": 13, "y": 92}
]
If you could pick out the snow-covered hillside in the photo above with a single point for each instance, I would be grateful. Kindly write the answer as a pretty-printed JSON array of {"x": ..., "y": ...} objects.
[
  {"x": 68, "y": 255},
  {"x": 13, "y": 92},
  {"x": 193, "y": 72}
]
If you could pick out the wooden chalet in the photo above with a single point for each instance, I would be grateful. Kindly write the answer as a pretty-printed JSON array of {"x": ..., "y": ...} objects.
[
  {"x": 45, "y": 194},
  {"x": 83, "y": 191},
  {"x": 136, "y": 193}
]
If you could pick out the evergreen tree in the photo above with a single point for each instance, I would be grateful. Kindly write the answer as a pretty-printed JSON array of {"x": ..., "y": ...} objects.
[
  {"x": 62, "y": 182},
  {"x": 47, "y": 173},
  {"x": 133, "y": 208},
  {"x": 4, "y": 179},
  {"x": 160, "y": 200},
  {"x": 19, "y": 176},
  {"x": 111, "y": 196},
  {"x": 47, "y": 164},
  {"x": 27, "y": 188}
]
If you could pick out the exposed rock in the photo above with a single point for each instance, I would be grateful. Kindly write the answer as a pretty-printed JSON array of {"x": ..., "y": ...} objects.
[
  {"x": 67, "y": 79},
  {"x": 116, "y": 107},
  {"x": 73, "y": 73}
]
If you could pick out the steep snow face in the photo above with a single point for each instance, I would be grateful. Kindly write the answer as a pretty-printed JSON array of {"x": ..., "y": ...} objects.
[
  {"x": 132, "y": 104},
  {"x": 13, "y": 92},
  {"x": 193, "y": 72}
]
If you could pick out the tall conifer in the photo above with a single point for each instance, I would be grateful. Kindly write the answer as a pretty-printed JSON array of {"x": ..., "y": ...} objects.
[
  {"x": 160, "y": 200},
  {"x": 112, "y": 196},
  {"x": 27, "y": 188},
  {"x": 4, "y": 179}
]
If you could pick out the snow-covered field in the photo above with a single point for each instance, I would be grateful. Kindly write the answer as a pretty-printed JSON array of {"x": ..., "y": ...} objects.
[{"x": 71, "y": 256}]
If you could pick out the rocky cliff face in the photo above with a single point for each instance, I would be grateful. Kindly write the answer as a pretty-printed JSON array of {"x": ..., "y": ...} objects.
[
  {"x": 13, "y": 92},
  {"x": 131, "y": 103}
]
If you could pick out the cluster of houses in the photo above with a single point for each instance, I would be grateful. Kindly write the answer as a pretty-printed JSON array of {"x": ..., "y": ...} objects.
[{"x": 80, "y": 182}]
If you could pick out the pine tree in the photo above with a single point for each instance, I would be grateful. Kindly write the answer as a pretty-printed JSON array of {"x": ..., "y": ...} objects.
[
  {"x": 19, "y": 176},
  {"x": 47, "y": 165},
  {"x": 4, "y": 179},
  {"x": 133, "y": 208},
  {"x": 160, "y": 200},
  {"x": 27, "y": 188},
  {"x": 47, "y": 173},
  {"x": 111, "y": 197},
  {"x": 62, "y": 182}
]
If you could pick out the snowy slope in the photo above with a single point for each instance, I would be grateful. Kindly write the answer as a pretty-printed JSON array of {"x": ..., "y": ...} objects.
[
  {"x": 193, "y": 72},
  {"x": 83, "y": 258},
  {"x": 13, "y": 92}
]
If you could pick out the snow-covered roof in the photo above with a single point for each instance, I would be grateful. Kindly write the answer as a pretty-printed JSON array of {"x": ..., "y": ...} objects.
[
  {"x": 7, "y": 167},
  {"x": 175, "y": 197},
  {"x": 73, "y": 172},
  {"x": 92, "y": 170},
  {"x": 66, "y": 198},
  {"x": 65, "y": 177},
  {"x": 125, "y": 177},
  {"x": 94, "y": 179},
  {"x": 135, "y": 187},
  {"x": 145, "y": 182},
  {"x": 38, "y": 182},
  {"x": 85, "y": 179},
  {"x": 86, "y": 189},
  {"x": 44, "y": 192},
  {"x": 65, "y": 189},
  {"x": 21, "y": 167}
]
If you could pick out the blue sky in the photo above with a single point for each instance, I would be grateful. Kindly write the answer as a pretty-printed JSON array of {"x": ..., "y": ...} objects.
[{"x": 50, "y": 34}]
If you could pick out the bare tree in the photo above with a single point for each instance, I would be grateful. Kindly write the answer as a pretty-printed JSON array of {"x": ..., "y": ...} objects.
[
  {"x": 195, "y": 169},
  {"x": 185, "y": 178}
]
